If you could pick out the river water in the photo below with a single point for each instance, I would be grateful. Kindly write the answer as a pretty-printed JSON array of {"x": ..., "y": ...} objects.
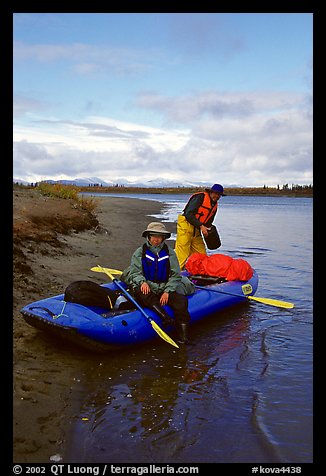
[{"x": 243, "y": 393}]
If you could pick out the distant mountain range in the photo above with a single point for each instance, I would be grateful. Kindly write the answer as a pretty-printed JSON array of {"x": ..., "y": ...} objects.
[{"x": 159, "y": 182}]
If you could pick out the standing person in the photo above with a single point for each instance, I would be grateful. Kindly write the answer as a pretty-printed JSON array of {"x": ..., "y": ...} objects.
[
  {"x": 154, "y": 275},
  {"x": 197, "y": 218}
]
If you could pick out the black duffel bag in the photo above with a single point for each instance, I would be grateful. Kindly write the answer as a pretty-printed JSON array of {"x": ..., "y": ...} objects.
[
  {"x": 89, "y": 293},
  {"x": 212, "y": 240}
]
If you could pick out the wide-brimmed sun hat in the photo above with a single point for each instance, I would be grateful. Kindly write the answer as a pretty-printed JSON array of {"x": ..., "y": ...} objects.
[
  {"x": 156, "y": 228},
  {"x": 217, "y": 188}
]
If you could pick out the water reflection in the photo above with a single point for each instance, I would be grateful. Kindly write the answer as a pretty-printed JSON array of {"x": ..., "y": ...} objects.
[{"x": 154, "y": 395}]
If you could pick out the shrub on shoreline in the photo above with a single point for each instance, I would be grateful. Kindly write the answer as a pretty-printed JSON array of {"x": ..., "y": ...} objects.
[{"x": 67, "y": 192}]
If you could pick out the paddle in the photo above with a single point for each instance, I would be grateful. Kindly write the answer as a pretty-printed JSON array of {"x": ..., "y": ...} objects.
[
  {"x": 109, "y": 272},
  {"x": 268, "y": 301}
]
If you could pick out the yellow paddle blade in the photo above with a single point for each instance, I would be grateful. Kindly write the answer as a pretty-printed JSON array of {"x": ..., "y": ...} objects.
[
  {"x": 108, "y": 271},
  {"x": 113, "y": 271},
  {"x": 272, "y": 302},
  {"x": 162, "y": 334}
]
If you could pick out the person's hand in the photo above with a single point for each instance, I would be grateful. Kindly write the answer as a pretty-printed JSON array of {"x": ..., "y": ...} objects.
[
  {"x": 145, "y": 289},
  {"x": 204, "y": 230},
  {"x": 164, "y": 298}
]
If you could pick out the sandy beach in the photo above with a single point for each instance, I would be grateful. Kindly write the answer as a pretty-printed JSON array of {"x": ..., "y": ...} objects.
[{"x": 54, "y": 245}]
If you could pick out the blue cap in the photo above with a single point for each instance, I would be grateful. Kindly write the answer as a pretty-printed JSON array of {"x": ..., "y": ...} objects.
[{"x": 217, "y": 188}]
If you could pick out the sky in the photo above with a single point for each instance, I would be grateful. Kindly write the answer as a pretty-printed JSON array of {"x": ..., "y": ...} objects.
[{"x": 190, "y": 97}]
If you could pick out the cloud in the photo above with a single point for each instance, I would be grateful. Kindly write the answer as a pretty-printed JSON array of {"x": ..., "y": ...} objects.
[
  {"x": 245, "y": 138},
  {"x": 96, "y": 146},
  {"x": 263, "y": 136},
  {"x": 23, "y": 104},
  {"x": 185, "y": 109},
  {"x": 201, "y": 33},
  {"x": 98, "y": 129},
  {"x": 85, "y": 59}
]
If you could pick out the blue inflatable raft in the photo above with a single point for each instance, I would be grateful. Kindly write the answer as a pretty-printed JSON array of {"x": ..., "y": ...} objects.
[{"x": 100, "y": 329}]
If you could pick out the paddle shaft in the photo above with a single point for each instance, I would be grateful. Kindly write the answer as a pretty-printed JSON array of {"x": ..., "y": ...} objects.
[
  {"x": 154, "y": 325},
  {"x": 268, "y": 301},
  {"x": 125, "y": 292},
  {"x": 219, "y": 291}
]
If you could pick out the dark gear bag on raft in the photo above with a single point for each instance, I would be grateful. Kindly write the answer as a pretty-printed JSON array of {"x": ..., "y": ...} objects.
[
  {"x": 212, "y": 240},
  {"x": 89, "y": 293}
]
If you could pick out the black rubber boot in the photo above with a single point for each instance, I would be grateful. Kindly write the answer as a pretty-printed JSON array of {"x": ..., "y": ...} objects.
[
  {"x": 182, "y": 330},
  {"x": 166, "y": 319}
]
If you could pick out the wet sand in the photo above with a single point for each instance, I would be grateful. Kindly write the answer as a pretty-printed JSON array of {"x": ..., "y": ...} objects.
[{"x": 43, "y": 370}]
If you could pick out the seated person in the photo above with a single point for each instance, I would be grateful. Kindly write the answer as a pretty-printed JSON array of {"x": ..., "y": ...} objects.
[{"x": 154, "y": 275}]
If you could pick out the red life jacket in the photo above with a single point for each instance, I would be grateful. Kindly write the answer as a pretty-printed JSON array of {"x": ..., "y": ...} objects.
[{"x": 206, "y": 209}]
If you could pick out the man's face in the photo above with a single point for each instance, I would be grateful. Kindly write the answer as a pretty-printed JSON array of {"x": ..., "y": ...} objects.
[
  {"x": 155, "y": 240},
  {"x": 215, "y": 196}
]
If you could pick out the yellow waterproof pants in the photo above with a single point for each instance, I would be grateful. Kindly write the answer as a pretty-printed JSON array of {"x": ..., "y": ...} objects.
[{"x": 189, "y": 241}]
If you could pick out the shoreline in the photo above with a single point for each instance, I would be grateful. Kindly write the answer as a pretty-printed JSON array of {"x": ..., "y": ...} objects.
[
  {"x": 296, "y": 192},
  {"x": 44, "y": 367}
]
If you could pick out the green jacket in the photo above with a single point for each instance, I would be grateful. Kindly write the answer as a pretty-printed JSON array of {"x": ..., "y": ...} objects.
[{"x": 134, "y": 277}]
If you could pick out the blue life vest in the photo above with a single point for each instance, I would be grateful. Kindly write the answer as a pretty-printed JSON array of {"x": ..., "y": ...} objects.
[{"x": 156, "y": 268}]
